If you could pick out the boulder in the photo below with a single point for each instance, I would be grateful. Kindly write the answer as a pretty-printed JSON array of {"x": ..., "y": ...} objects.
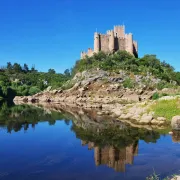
[
  {"x": 54, "y": 91},
  {"x": 78, "y": 75},
  {"x": 154, "y": 122},
  {"x": 161, "y": 119},
  {"x": 161, "y": 123},
  {"x": 76, "y": 86},
  {"x": 136, "y": 117},
  {"x": 123, "y": 116},
  {"x": 175, "y": 123},
  {"x": 117, "y": 112},
  {"x": 128, "y": 116},
  {"x": 131, "y": 97},
  {"x": 146, "y": 119}
]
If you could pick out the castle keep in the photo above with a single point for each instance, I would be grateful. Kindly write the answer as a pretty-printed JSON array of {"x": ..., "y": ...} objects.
[{"x": 113, "y": 41}]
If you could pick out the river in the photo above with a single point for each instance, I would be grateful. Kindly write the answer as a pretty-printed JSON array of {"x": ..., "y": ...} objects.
[{"x": 73, "y": 144}]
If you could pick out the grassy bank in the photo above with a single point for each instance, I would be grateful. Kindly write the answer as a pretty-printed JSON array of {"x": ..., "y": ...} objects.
[{"x": 166, "y": 108}]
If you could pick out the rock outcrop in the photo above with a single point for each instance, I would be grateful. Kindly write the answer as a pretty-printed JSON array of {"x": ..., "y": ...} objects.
[{"x": 96, "y": 86}]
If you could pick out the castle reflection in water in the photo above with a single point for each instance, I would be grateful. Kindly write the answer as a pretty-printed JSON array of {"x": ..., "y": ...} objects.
[
  {"x": 114, "y": 143},
  {"x": 113, "y": 157}
]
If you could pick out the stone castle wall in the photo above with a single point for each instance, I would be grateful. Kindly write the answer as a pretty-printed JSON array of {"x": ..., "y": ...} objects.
[
  {"x": 113, "y": 41},
  {"x": 104, "y": 43}
]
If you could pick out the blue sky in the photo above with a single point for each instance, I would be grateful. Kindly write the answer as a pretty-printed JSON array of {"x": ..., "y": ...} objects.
[{"x": 51, "y": 33}]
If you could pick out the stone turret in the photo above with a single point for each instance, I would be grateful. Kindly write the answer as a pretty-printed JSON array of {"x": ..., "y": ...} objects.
[
  {"x": 96, "y": 42},
  {"x": 129, "y": 43},
  {"x": 119, "y": 31},
  {"x": 111, "y": 40}
]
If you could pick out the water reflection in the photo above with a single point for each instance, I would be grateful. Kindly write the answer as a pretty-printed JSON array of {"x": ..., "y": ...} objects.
[
  {"x": 113, "y": 143},
  {"x": 15, "y": 118},
  {"x": 113, "y": 157},
  {"x": 176, "y": 136},
  {"x": 114, "y": 147}
]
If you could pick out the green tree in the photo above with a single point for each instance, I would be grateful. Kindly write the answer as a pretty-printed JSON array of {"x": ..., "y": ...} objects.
[
  {"x": 67, "y": 72},
  {"x": 51, "y": 71},
  {"x": 9, "y": 66},
  {"x": 17, "y": 68},
  {"x": 25, "y": 68}
]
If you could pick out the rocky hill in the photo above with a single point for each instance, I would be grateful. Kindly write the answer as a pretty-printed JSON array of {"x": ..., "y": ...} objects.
[{"x": 100, "y": 87}]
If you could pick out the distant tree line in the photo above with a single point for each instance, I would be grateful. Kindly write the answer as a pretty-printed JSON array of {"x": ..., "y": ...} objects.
[{"x": 22, "y": 80}]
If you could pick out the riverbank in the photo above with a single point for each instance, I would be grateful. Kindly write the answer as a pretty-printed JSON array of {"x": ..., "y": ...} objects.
[
  {"x": 96, "y": 113},
  {"x": 105, "y": 91}
]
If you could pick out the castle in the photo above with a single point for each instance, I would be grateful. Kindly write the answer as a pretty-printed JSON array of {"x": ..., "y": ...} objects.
[{"x": 113, "y": 41}]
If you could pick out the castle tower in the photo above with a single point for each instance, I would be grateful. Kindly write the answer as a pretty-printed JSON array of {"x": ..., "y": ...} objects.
[
  {"x": 96, "y": 42},
  {"x": 111, "y": 40},
  {"x": 119, "y": 31},
  {"x": 129, "y": 43}
]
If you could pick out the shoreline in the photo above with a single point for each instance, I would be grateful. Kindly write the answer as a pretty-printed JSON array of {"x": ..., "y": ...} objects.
[
  {"x": 103, "y": 90},
  {"x": 108, "y": 110}
]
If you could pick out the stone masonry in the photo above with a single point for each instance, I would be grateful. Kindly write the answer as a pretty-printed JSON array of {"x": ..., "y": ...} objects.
[{"x": 113, "y": 41}]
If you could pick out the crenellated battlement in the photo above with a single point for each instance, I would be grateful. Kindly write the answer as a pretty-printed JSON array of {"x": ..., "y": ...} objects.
[
  {"x": 114, "y": 40},
  {"x": 110, "y": 31}
]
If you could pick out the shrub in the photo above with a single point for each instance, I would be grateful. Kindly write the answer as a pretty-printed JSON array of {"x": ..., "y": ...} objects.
[
  {"x": 161, "y": 85},
  {"x": 68, "y": 85},
  {"x": 128, "y": 83},
  {"x": 33, "y": 90},
  {"x": 155, "y": 96}
]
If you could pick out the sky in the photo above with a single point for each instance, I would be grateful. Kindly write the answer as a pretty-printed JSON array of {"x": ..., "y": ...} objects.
[{"x": 52, "y": 33}]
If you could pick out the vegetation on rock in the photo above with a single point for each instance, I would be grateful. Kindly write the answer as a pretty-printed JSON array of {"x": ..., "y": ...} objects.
[{"x": 122, "y": 60}]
